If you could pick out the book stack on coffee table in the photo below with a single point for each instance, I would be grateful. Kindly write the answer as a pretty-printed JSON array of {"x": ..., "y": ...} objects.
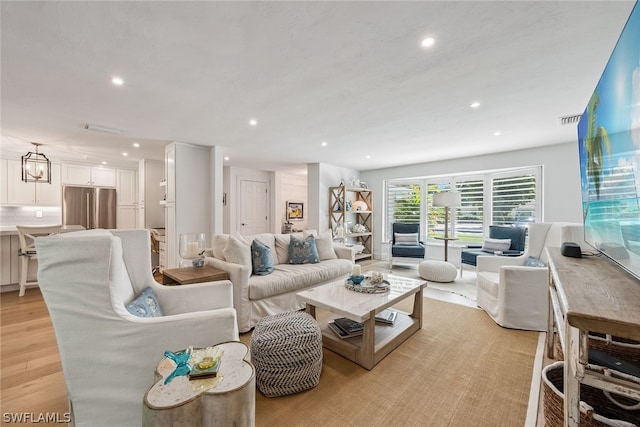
[{"x": 347, "y": 328}]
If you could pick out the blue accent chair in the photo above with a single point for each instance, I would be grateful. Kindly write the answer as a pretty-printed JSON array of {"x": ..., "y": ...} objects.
[
  {"x": 406, "y": 251},
  {"x": 518, "y": 236}
]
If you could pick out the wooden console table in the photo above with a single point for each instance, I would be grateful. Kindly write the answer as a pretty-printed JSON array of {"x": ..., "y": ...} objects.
[
  {"x": 589, "y": 294},
  {"x": 188, "y": 275}
]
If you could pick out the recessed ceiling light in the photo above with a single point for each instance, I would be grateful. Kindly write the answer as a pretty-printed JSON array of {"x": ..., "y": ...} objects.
[
  {"x": 368, "y": 156},
  {"x": 474, "y": 105},
  {"x": 428, "y": 42},
  {"x": 226, "y": 157},
  {"x": 104, "y": 163},
  {"x": 117, "y": 81},
  {"x": 135, "y": 144},
  {"x": 125, "y": 154},
  {"x": 253, "y": 122},
  {"x": 323, "y": 143},
  {"x": 497, "y": 133}
]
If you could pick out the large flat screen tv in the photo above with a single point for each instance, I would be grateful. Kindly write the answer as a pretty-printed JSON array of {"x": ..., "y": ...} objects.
[{"x": 609, "y": 148}]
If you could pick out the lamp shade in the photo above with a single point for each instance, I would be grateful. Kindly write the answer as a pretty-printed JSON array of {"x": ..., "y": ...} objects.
[{"x": 447, "y": 199}]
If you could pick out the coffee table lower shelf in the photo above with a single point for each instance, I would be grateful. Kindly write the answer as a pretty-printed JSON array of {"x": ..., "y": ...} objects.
[{"x": 386, "y": 339}]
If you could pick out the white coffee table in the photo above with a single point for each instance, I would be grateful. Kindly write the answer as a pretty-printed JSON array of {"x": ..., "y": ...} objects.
[{"x": 377, "y": 340}]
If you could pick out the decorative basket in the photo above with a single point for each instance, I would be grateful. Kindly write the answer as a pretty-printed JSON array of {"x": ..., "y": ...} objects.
[
  {"x": 596, "y": 409},
  {"x": 621, "y": 348}
]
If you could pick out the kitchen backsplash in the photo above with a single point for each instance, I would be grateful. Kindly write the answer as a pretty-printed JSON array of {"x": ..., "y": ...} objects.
[{"x": 29, "y": 215}]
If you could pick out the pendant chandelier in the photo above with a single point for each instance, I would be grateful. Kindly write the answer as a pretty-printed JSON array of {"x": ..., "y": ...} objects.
[{"x": 36, "y": 167}]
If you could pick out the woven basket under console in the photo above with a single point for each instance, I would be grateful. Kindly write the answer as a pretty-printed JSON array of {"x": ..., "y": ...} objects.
[{"x": 595, "y": 407}]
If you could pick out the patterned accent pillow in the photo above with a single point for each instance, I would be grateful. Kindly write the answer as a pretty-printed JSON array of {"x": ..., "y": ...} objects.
[
  {"x": 534, "y": 262},
  {"x": 261, "y": 258},
  {"x": 493, "y": 245},
  {"x": 406, "y": 239},
  {"x": 303, "y": 251},
  {"x": 145, "y": 305}
]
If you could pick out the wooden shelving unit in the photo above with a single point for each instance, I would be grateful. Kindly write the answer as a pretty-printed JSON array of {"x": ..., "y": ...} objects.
[{"x": 342, "y": 197}]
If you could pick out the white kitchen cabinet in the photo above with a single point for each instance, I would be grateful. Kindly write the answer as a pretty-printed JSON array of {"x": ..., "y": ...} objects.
[
  {"x": 10, "y": 262},
  {"x": 150, "y": 212},
  {"x": 32, "y": 193},
  {"x": 127, "y": 216},
  {"x": 127, "y": 194},
  {"x": 170, "y": 177},
  {"x": 5, "y": 260},
  {"x": 127, "y": 187},
  {"x": 99, "y": 176},
  {"x": 3, "y": 181}
]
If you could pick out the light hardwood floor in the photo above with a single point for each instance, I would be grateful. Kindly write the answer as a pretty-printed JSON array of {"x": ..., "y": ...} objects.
[{"x": 31, "y": 377}]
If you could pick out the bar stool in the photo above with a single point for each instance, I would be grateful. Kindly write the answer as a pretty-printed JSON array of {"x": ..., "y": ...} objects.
[{"x": 27, "y": 236}]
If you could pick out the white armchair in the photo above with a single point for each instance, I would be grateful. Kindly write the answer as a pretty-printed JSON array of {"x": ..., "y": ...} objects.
[
  {"x": 109, "y": 355},
  {"x": 512, "y": 294}
]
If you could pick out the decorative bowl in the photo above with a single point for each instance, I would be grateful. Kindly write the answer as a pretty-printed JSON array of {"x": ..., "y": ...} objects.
[{"x": 357, "y": 279}]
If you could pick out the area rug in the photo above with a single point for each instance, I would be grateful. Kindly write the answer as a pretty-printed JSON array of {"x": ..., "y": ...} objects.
[
  {"x": 464, "y": 286},
  {"x": 460, "y": 369}
]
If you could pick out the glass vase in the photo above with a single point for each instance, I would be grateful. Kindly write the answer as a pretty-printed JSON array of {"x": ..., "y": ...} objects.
[{"x": 192, "y": 247}]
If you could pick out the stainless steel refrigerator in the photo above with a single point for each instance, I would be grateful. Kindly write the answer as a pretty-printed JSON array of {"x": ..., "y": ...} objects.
[{"x": 91, "y": 207}]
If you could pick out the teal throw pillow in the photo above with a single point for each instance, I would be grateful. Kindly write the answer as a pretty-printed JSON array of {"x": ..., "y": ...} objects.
[
  {"x": 303, "y": 251},
  {"x": 145, "y": 305},
  {"x": 534, "y": 262},
  {"x": 261, "y": 258}
]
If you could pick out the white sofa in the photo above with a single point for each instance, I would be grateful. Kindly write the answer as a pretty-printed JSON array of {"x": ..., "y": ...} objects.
[{"x": 256, "y": 296}]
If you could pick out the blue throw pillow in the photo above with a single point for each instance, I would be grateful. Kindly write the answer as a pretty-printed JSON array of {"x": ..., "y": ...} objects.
[
  {"x": 534, "y": 262},
  {"x": 145, "y": 305},
  {"x": 261, "y": 258},
  {"x": 303, "y": 251}
]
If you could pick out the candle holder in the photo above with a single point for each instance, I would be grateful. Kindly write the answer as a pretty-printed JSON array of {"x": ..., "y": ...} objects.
[{"x": 192, "y": 247}]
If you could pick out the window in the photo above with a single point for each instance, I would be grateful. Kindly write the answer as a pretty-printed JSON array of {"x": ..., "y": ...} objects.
[
  {"x": 513, "y": 199},
  {"x": 435, "y": 217},
  {"x": 470, "y": 215},
  {"x": 403, "y": 204},
  {"x": 502, "y": 198}
]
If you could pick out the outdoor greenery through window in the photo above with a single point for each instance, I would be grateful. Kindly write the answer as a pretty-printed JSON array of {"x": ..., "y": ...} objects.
[{"x": 501, "y": 198}]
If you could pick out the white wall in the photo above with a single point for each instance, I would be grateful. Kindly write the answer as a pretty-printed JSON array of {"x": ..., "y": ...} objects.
[
  {"x": 560, "y": 179},
  {"x": 292, "y": 187}
]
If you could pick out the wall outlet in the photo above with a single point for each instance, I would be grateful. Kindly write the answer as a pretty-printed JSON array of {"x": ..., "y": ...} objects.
[{"x": 38, "y": 214}]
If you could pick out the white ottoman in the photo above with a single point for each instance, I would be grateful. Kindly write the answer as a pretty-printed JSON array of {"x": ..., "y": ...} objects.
[{"x": 437, "y": 271}]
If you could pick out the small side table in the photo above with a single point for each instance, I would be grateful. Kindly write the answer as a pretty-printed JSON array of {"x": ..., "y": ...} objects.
[
  {"x": 446, "y": 245},
  {"x": 188, "y": 275},
  {"x": 227, "y": 399}
]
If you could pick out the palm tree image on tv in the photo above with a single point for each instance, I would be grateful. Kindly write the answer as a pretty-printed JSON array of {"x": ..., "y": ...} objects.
[{"x": 596, "y": 141}]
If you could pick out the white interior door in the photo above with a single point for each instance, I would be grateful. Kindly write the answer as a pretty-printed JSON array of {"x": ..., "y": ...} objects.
[{"x": 253, "y": 207}]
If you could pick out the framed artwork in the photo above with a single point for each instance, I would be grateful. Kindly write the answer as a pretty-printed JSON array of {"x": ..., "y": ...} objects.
[{"x": 295, "y": 210}]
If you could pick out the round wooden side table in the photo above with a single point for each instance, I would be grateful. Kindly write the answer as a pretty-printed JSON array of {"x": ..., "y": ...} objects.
[{"x": 228, "y": 398}]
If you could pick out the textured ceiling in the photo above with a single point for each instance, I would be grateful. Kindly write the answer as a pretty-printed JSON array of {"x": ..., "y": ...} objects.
[{"x": 352, "y": 74}]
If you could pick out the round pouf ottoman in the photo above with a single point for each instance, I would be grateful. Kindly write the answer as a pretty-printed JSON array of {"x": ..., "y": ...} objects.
[
  {"x": 437, "y": 271},
  {"x": 286, "y": 350}
]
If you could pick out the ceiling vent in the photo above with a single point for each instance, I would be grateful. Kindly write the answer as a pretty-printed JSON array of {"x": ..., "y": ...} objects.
[
  {"x": 102, "y": 129},
  {"x": 569, "y": 120}
]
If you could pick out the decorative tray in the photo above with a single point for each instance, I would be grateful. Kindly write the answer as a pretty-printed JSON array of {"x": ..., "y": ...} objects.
[{"x": 367, "y": 286}]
